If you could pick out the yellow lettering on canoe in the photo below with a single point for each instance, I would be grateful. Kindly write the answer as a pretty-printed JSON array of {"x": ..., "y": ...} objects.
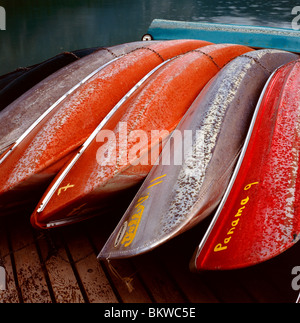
[
  {"x": 134, "y": 222},
  {"x": 223, "y": 246},
  {"x": 135, "y": 219},
  {"x": 247, "y": 187},
  {"x": 64, "y": 188},
  {"x": 156, "y": 180}
]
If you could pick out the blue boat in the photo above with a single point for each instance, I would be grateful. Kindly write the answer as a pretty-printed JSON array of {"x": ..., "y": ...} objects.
[{"x": 253, "y": 36}]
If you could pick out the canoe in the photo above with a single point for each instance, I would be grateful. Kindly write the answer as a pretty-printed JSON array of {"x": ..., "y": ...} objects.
[
  {"x": 17, "y": 117},
  {"x": 16, "y": 83},
  {"x": 158, "y": 105},
  {"x": 258, "y": 217},
  {"x": 175, "y": 197},
  {"x": 55, "y": 266},
  {"x": 42, "y": 150}
]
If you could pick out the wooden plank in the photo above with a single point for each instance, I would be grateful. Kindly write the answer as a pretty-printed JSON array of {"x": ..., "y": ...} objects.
[
  {"x": 60, "y": 266},
  {"x": 60, "y": 272},
  {"x": 252, "y": 284},
  {"x": 127, "y": 282},
  {"x": 257, "y": 283},
  {"x": 118, "y": 271},
  {"x": 191, "y": 284},
  {"x": 10, "y": 294},
  {"x": 201, "y": 286},
  {"x": 226, "y": 287},
  {"x": 176, "y": 255},
  {"x": 30, "y": 275},
  {"x": 91, "y": 273},
  {"x": 158, "y": 280}
]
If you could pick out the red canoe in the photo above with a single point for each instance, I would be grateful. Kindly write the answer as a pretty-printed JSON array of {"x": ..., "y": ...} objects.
[
  {"x": 259, "y": 217},
  {"x": 42, "y": 152},
  {"x": 159, "y": 104},
  {"x": 202, "y": 151}
]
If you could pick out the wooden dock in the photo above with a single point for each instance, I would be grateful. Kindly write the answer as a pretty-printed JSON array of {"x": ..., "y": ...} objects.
[{"x": 60, "y": 266}]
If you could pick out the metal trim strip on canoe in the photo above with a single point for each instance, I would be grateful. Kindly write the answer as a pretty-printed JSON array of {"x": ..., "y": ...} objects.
[
  {"x": 235, "y": 173},
  {"x": 53, "y": 106},
  {"x": 93, "y": 135}
]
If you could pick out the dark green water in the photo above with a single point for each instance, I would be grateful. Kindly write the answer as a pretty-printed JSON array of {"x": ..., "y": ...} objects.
[{"x": 39, "y": 29}]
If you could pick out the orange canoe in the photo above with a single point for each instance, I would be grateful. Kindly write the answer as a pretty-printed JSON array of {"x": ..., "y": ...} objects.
[
  {"x": 43, "y": 150},
  {"x": 151, "y": 112},
  {"x": 18, "y": 116}
]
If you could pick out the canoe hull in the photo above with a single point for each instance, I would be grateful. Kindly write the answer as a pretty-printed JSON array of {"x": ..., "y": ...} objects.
[
  {"x": 259, "y": 215},
  {"x": 158, "y": 105},
  {"x": 219, "y": 119},
  {"x": 56, "y": 135},
  {"x": 17, "y": 117}
]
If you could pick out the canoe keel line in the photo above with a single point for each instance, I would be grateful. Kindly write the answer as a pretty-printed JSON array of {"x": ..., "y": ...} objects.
[
  {"x": 268, "y": 168},
  {"x": 221, "y": 115},
  {"x": 56, "y": 130},
  {"x": 241, "y": 105},
  {"x": 144, "y": 109}
]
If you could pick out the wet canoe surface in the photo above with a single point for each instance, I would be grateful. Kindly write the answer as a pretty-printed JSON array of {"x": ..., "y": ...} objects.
[
  {"x": 39, "y": 156},
  {"x": 43, "y": 90},
  {"x": 158, "y": 104},
  {"x": 14, "y": 84},
  {"x": 262, "y": 206},
  {"x": 175, "y": 197},
  {"x": 60, "y": 266}
]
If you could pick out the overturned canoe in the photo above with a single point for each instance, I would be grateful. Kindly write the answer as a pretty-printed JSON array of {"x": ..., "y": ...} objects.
[
  {"x": 182, "y": 190},
  {"x": 17, "y": 117},
  {"x": 259, "y": 217},
  {"x": 42, "y": 150},
  {"x": 150, "y": 112},
  {"x": 14, "y": 84}
]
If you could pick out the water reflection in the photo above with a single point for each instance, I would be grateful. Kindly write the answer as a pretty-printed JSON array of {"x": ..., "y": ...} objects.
[{"x": 38, "y": 29}]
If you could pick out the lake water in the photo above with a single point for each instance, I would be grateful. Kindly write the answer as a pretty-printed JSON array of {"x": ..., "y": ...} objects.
[{"x": 39, "y": 29}]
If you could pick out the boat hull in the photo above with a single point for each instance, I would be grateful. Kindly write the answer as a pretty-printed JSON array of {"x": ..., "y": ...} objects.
[
  {"x": 175, "y": 197},
  {"x": 259, "y": 215},
  {"x": 57, "y": 134},
  {"x": 253, "y": 36},
  {"x": 157, "y": 106},
  {"x": 14, "y": 84},
  {"x": 17, "y": 117}
]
